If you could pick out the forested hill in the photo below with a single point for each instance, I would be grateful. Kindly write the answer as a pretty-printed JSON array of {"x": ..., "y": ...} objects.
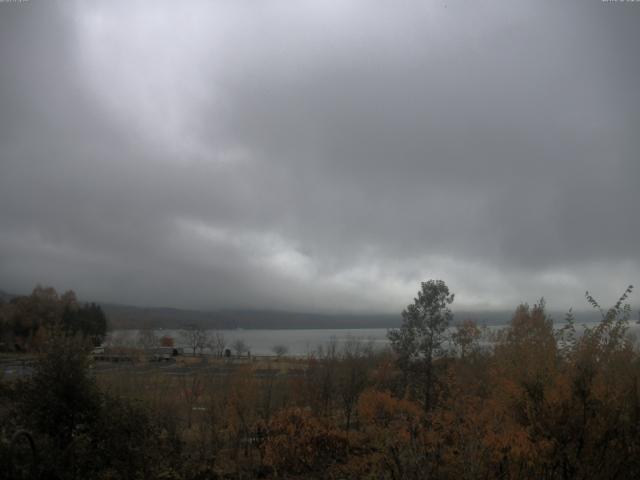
[
  {"x": 123, "y": 317},
  {"x": 132, "y": 317},
  {"x": 5, "y": 297}
]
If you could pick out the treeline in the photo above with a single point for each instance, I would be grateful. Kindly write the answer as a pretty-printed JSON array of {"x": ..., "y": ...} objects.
[
  {"x": 529, "y": 402},
  {"x": 26, "y": 320}
]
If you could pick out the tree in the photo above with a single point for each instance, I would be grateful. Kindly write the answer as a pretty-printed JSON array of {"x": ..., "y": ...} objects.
[
  {"x": 147, "y": 338},
  {"x": 88, "y": 320},
  {"x": 466, "y": 336},
  {"x": 300, "y": 445},
  {"x": 191, "y": 391},
  {"x": 279, "y": 350},
  {"x": 30, "y": 313},
  {"x": 195, "y": 338},
  {"x": 218, "y": 344},
  {"x": 240, "y": 347},
  {"x": 352, "y": 375},
  {"x": 6, "y": 331},
  {"x": 61, "y": 378},
  {"x": 420, "y": 338},
  {"x": 321, "y": 378},
  {"x": 94, "y": 322},
  {"x": 44, "y": 308},
  {"x": 79, "y": 431}
]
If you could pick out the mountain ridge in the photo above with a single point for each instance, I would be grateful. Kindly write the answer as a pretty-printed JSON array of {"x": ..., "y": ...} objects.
[{"x": 122, "y": 317}]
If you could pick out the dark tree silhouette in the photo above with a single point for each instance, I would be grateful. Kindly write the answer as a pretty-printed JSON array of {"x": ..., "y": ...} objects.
[{"x": 420, "y": 338}]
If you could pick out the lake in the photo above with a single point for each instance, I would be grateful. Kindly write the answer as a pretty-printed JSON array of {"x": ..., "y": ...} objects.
[
  {"x": 261, "y": 342},
  {"x": 297, "y": 341}
]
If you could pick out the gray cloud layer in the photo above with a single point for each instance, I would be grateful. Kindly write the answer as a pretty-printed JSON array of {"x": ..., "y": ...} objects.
[{"x": 323, "y": 156}]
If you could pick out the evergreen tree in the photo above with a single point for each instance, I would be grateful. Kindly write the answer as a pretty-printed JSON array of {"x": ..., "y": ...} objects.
[{"x": 420, "y": 338}]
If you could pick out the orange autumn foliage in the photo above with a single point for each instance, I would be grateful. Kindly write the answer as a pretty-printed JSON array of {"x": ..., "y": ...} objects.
[{"x": 298, "y": 443}]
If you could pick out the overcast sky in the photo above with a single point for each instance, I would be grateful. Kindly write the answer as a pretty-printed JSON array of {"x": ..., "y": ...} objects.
[{"x": 321, "y": 155}]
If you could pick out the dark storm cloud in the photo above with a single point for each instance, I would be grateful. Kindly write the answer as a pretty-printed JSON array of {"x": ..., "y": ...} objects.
[{"x": 319, "y": 155}]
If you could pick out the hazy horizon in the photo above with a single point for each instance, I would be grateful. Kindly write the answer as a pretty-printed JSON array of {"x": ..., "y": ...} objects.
[{"x": 139, "y": 316}]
